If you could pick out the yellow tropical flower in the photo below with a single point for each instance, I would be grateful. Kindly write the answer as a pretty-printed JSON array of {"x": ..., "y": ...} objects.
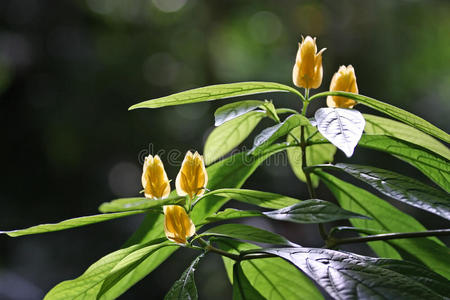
[
  {"x": 307, "y": 72},
  {"x": 192, "y": 178},
  {"x": 343, "y": 80},
  {"x": 154, "y": 178},
  {"x": 177, "y": 224}
]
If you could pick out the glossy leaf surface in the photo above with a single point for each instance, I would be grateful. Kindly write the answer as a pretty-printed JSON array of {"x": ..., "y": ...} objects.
[
  {"x": 215, "y": 92},
  {"x": 233, "y": 110}
]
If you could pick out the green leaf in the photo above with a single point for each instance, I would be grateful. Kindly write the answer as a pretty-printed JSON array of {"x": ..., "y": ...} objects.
[
  {"x": 387, "y": 218},
  {"x": 231, "y": 213},
  {"x": 87, "y": 285},
  {"x": 70, "y": 223},
  {"x": 395, "y": 112},
  {"x": 271, "y": 134},
  {"x": 246, "y": 232},
  {"x": 215, "y": 92},
  {"x": 315, "y": 154},
  {"x": 184, "y": 288},
  {"x": 382, "y": 126},
  {"x": 433, "y": 166},
  {"x": 128, "y": 264},
  {"x": 312, "y": 211},
  {"x": 227, "y": 136},
  {"x": 242, "y": 289},
  {"x": 274, "y": 278},
  {"x": 400, "y": 187},
  {"x": 346, "y": 275},
  {"x": 233, "y": 110},
  {"x": 342, "y": 127},
  {"x": 259, "y": 198},
  {"x": 129, "y": 204},
  {"x": 230, "y": 172}
]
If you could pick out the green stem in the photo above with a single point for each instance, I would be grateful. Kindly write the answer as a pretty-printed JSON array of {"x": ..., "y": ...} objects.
[
  {"x": 333, "y": 242},
  {"x": 303, "y": 145}
]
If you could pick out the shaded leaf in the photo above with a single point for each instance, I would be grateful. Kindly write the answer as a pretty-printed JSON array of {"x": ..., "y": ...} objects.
[
  {"x": 393, "y": 111},
  {"x": 184, "y": 288},
  {"x": 382, "y": 126},
  {"x": 315, "y": 154},
  {"x": 342, "y": 127},
  {"x": 349, "y": 276},
  {"x": 70, "y": 223},
  {"x": 259, "y": 198},
  {"x": 433, "y": 166},
  {"x": 127, "y": 204},
  {"x": 286, "y": 282},
  {"x": 233, "y": 110},
  {"x": 400, "y": 187},
  {"x": 87, "y": 285},
  {"x": 227, "y": 136},
  {"x": 271, "y": 134},
  {"x": 231, "y": 213},
  {"x": 215, "y": 92},
  {"x": 242, "y": 289},
  {"x": 312, "y": 211},
  {"x": 246, "y": 232},
  {"x": 128, "y": 264},
  {"x": 387, "y": 218}
]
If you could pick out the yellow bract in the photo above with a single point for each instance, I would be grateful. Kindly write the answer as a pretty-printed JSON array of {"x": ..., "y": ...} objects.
[
  {"x": 307, "y": 72},
  {"x": 192, "y": 178},
  {"x": 177, "y": 224},
  {"x": 343, "y": 80},
  {"x": 154, "y": 179}
]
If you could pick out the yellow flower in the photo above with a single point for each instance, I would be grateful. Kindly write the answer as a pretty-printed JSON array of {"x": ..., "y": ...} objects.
[
  {"x": 192, "y": 178},
  {"x": 307, "y": 72},
  {"x": 154, "y": 178},
  {"x": 343, "y": 80},
  {"x": 177, "y": 224}
]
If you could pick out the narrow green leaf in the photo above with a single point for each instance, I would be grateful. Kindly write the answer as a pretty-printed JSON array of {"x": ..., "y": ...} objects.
[
  {"x": 400, "y": 187},
  {"x": 184, "y": 288},
  {"x": 227, "y": 136},
  {"x": 233, "y": 110},
  {"x": 259, "y": 198},
  {"x": 312, "y": 211},
  {"x": 387, "y": 218},
  {"x": 382, "y": 126},
  {"x": 346, "y": 275},
  {"x": 242, "y": 289},
  {"x": 393, "y": 111},
  {"x": 128, "y": 264},
  {"x": 215, "y": 92},
  {"x": 433, "y": 166},
  {"x": 128, "y": 204},
  {"x": 271, "y": 134},
  {"x": 342, "y": 127},
  {"x": 315, "y": 154},
  {"x": 230, "y": 172},
  {"x": 87, "y": 285},
  {"x": 231, "y": 213},
  {"x": 246, "y": 232},
  {"x": 70, "y": 223},
  {"x": 274, "y": 278}
]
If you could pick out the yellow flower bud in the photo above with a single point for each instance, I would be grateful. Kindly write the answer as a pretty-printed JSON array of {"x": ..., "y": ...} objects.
[
  {"x": 343, "y": 80},
  {"x": 192, "y": 178},
  {"x": 177, "y": 224},
  {"x": 154, "y": 178},
  {"x": 307, "y": 72}
]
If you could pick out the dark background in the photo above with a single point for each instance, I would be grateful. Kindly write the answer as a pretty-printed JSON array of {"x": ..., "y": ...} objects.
[{"x": 70, "y": 69}]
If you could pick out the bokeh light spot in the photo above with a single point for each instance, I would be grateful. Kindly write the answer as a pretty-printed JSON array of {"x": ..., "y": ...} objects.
[
  {"x": 169, "y": 6},
  {"x": 123, "y": 179}
]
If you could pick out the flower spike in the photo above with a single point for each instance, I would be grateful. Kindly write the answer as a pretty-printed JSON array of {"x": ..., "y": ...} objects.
[
  {"x": 192, "y": 178},
  {"x": 177, "y": 224},
  {"x": 154, "y": 178}
]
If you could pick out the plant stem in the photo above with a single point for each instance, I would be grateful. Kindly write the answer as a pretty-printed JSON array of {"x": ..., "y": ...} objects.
[
  {"x": 303, "y": 145},
  {"x": 207, "y": 246},
  {"x": 333, "y": 242}
]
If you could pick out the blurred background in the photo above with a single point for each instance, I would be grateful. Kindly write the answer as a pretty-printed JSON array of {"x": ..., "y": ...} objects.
[{"x": 70, "y": 69}]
